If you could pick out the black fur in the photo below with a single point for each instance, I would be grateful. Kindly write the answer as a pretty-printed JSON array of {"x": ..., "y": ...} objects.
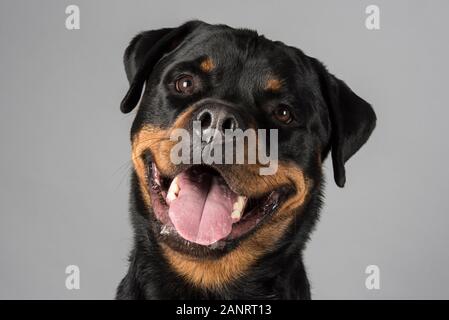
[{"x": 329, "y": 117}]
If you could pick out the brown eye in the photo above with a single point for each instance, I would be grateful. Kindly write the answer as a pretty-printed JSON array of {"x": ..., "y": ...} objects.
[
  {"x": 184, "y": 84},
  {"x": 283, "y": 113}
]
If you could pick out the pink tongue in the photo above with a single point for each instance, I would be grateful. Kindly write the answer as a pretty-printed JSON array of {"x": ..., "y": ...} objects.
[{"x": 202, "y": 211}]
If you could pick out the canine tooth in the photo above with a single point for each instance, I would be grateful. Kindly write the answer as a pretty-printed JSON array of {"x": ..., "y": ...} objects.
[
  {"x": 174, "y": 188},
  {"x": 236, "y": 215},
  {"x": 237, "y": 208},
  {"x": 239, "y": 204},
  {"x": 173, "y": 191},
  {"x": 171, "y": 196}
]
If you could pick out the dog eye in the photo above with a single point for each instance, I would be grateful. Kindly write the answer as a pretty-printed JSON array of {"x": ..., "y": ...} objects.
[
  {"x": 185, "y": 84},
  {"x": 283, "y": 114}
]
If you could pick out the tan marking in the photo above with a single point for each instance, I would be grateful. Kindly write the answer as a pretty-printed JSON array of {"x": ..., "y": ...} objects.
[
  {"x": 157, "y": 140},
  {"x": 207, "y": 65},
  {"x": 214, "y": 273},
  {"x": 273, "y": 84}
]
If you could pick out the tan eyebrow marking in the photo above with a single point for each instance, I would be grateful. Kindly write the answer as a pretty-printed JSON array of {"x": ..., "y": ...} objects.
[
  {"x": 273, "y": 84},
  {"x": 207, "y": 65}
]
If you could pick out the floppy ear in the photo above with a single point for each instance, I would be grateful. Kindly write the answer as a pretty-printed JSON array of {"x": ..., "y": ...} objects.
[
  {"x": 352, "y": 120},
  {"x": 142, "y": 54}
]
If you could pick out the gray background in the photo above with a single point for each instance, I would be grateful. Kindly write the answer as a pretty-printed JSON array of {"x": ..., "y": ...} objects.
[{"x": 65, "y": 150}]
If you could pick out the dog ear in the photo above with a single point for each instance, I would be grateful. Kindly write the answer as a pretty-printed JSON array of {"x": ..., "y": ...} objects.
[
  {"x": 352, "y": 120},
  {"x": 142, "y": 54}
]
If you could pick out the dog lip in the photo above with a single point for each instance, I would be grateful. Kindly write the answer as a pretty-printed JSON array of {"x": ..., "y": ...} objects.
[
  {"x": 164, "y": 180},
  {"x": 253, "y": 217},
  {"x": 219, "y": 168},
  {"x": 229, "y": 178}
]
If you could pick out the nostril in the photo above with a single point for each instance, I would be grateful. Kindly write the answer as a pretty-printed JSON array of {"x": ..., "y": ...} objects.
[
  {"x": 229, "y": 123},
  {"x": 206, "y": 120}
]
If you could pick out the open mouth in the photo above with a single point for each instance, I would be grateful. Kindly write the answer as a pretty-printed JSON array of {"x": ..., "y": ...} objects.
[{"x": 199, "y": 206}]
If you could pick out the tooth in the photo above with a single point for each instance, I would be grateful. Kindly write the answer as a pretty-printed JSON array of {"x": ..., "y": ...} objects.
[
  {"x": 238, "y": 207},
  {"x": 236, "y": 215},
  {"x": 165, "y": 230},
  {"x": 156, "y": 175},
  {"x": 173, "y": 191},
  {"x": 240, "y": 203},
  {"x": 174, "y": 186},
  {"x": 170, "y": 197}
]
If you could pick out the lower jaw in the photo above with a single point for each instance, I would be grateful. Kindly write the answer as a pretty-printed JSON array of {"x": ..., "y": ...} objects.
[{"x": 166, "y": 233}]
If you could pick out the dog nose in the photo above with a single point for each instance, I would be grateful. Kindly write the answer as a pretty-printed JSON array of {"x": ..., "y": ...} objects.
[{"x": 217, "y": 118}]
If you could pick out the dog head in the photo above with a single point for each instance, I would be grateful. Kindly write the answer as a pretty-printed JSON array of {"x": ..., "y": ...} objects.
[{"x": 205, "y": 78}]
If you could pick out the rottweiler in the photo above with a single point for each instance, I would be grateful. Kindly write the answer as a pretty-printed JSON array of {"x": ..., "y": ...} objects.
[{"x": 224, "y": 231}]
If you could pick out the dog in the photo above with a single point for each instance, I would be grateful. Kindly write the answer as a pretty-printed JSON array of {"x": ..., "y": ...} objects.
[{"x": 190, "y": 242}]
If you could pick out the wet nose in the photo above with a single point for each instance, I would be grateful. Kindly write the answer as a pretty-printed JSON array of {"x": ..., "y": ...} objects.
[{"x": 217, "y": 118}]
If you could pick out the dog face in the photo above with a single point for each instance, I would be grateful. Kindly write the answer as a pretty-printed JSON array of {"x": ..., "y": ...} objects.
[{"x": 225, "y": 216}]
